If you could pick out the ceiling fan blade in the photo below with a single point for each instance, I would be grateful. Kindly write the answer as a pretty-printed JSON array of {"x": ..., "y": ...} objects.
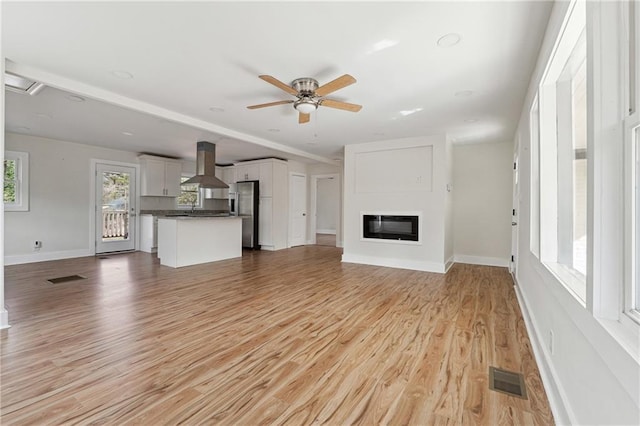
[
  {"x": 269, "y": 104},
  {"x": 303, "y": 118},
  {"x": 334, "y": 85},
  {"x": 340, "y": 105},
  {"x": 279, "y": 84}
]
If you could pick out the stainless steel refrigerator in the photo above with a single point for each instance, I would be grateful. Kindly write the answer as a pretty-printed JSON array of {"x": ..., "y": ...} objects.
[{"x": 246, "y": 200}]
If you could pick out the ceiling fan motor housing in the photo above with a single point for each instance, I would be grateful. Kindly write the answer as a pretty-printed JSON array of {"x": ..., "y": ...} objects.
[{"x": 305, "y": 86}]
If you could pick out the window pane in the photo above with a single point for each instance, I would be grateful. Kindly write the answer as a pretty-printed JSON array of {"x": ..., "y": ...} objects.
[
  {"x": 189, "y": 194},
  {"x": 10, "y": 182},
  {"x": 637, "y": 223},
  {"x": 580, "y": 170}
]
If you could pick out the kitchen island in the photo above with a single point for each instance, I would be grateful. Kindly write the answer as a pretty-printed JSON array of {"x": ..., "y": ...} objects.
[{"x": 191, "y": 240}]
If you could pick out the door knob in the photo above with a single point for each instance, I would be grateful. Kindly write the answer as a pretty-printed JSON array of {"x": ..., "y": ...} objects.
[
  {"x": 304, "y": 214},
  {"x": 514, "y": 223}
]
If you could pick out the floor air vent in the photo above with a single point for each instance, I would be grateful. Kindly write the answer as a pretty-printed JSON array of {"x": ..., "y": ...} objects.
[
  {"x": 66, "y": 279},
  {"x": 507, "y": 382}
]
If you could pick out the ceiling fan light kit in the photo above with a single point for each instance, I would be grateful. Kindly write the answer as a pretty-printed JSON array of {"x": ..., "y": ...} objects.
[
  {"x": 305, "y": 105},
  {"x": 310, "y": 95}
]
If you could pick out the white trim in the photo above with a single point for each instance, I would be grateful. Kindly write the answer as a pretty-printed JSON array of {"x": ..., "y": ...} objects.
[
  {"x": 558, "y": 401},
  {"x": 449, "y": 263},
  {"x": 19, "y": 259},
  {"x": 481, "y": 260},
  {"x": 326, "y": 231},
  {"x": 416, "y": 265},
  {"x": 4, "y": 319}
]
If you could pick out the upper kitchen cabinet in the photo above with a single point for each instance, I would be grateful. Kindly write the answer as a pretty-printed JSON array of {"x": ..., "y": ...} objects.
[
  {"x": 270, "y": 172},
  {"x": 247, "y": 171},
  {"x": 160, "y": 177}
]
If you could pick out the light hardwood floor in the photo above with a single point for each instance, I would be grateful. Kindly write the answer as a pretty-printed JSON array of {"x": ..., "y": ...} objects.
[
  {"x": 326, "y": 240},
  {"x": 287, "y": 337}
]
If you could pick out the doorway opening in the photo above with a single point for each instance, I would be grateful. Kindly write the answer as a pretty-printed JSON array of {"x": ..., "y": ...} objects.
[{"x": 325, "y": 208}]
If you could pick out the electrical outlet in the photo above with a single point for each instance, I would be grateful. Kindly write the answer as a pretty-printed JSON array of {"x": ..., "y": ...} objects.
[{"x": 551, "y": 341}]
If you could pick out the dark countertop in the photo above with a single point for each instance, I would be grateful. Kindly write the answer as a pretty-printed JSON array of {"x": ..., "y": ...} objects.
[{"x": 184, "y": 212}]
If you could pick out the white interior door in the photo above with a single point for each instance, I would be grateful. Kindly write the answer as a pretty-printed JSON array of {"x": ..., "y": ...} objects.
[
  {"x": 514, "y": 217},
  {"x": 298, "y": 210},
  {"x": 115, "y": 208}
]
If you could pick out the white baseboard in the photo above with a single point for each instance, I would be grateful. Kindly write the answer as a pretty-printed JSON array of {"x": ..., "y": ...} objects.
[
  {"x": 562, "y": 414},
  {"x": 326, "y": 231},
  {"x": 415, "y": 265},
  {"x": 481, "y": 260},
  {"x": 449, "y": 263},
  {"x": 4, "y": 319},
  {"x": 45, "y": 256}
]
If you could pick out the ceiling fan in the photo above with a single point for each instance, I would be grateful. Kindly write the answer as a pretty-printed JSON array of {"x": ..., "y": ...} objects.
[{"x": 310, "y": 95}]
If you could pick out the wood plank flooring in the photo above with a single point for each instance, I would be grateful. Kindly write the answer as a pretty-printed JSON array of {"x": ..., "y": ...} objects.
[
  {"x": 288, "y": 337},
  {"x": 326, "y": 240}
]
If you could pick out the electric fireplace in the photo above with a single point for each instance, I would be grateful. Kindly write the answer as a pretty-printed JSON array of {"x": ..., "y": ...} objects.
[{"x": 390, "y": 227}]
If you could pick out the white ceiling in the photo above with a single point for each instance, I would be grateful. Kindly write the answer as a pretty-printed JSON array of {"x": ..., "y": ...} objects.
[{"x": 187, "y": 58}]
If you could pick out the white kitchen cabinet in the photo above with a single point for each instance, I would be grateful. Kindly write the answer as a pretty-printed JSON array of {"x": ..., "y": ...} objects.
[
  {"x": 247, "y": 172},
  {"x": 265, "y": 219},
  {"x": 229, "y": 174},
  {"x": 160, "y": 177},
  {"x": 148, "y": 233},
  {"x": 266, "y": 179}
]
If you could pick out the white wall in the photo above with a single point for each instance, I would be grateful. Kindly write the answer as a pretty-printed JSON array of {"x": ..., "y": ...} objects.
[
  {"x": 482, "y": 192},
  {"x": 59, "y": 192},
  {"x": 399, "y": 176},
  {"x": 328, "y": 202},
  {"x": 592, "y": 376}
]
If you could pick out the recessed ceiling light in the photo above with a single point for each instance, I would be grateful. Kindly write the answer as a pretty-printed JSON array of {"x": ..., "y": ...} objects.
[
  {"x": 75, "y": 98},
  {"x": 125, "y": 75},
  {"x": 273, "y": 130},
  {"x": 449, "y": 40},
  {"x": 411, "y": 111},
  {"x": 127, "y": 133},
  {"x": 471, "y": 120},
  {"x": 464, "y": 93},
  {"x": 216, "y": 109}
]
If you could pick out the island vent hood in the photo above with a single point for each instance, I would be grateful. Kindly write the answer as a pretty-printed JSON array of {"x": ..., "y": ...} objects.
[{"x": 206, "y": 167}]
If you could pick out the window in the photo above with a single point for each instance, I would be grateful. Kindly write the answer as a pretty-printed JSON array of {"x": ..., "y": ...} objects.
[
  {"x": 563, "y": 158},
  {"x": 190, "y": 196},
  {"x": 636, "y": 211},
  {"x": 631, "y": 154},
  {"x": 16, "y": 181}
]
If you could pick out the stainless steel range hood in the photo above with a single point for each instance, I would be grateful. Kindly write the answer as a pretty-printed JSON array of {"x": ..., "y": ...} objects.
[{"x": 206, "y": 168}]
